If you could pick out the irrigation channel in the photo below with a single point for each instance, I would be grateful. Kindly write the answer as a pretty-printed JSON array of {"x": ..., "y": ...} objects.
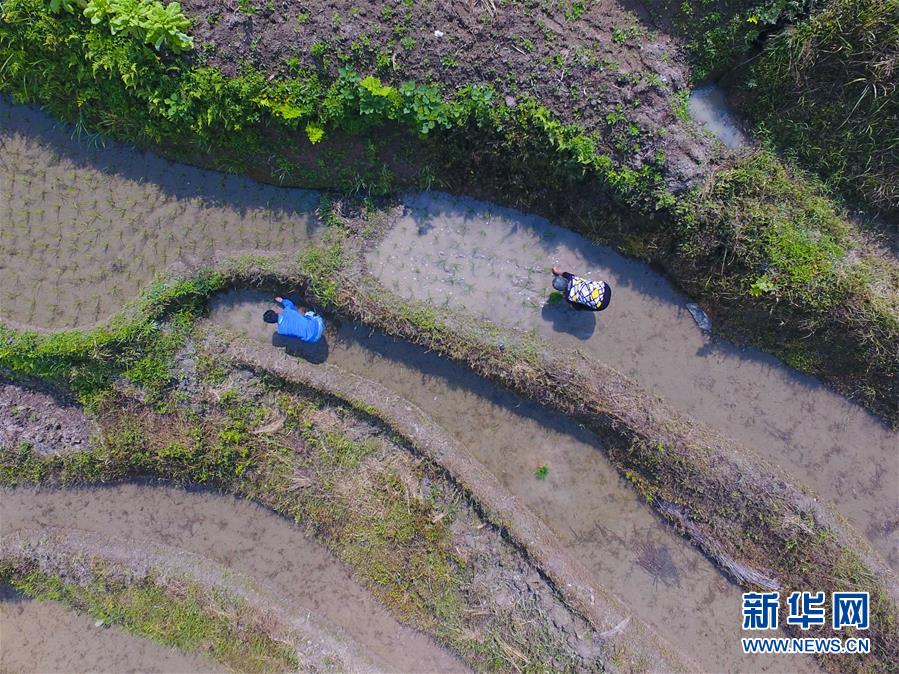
[
  {"x": 260, "y": 545},
  {"x": 598, "y": 519},
  {"x": 89, "y": 225},
  {"x": 46, "y": 637}
]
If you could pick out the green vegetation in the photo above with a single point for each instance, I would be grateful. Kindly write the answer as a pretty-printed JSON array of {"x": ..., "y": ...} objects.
[
  {"x": 718, "y": 32},
  {"x": 770, "y": 235},
  {"x": 107, "y": 81},
  {"x": 134, "y": 343},
  {"x": 825, "y": 88},
  {"x": 542, "y": 472},
  {"x": 148, "y": 21},
  {"x": 191, "y": 620}
]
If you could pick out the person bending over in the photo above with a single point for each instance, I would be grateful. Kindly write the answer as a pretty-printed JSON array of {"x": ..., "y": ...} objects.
[
  {"x": 581, "y": 293},
  {"x": 308, "y": 326}
]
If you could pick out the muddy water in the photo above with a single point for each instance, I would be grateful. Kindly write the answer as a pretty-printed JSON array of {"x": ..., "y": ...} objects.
[
  {"x": 495, "y": 262},
  {"x": 708, "y": 106},
  {"x": 597, "y": 517},
  {"x": 253, "y": 541},
  {"x": 47, "y": 637},
  {"x": 86, "y": 227}
]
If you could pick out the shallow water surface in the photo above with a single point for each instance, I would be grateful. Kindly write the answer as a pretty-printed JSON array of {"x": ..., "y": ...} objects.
[
  {"x": 597, "y": 517},
  {"x": 48, "y": 637},
  {"x": 708, "y": 106},
  {"x": 495, "y": 263},
  {"x": 240, "y": 535}
]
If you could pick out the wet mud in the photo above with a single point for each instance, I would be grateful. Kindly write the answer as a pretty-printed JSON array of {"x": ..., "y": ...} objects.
[
  {"x": 244, "y": 537},
  {"x": 596, "y": 516},
  {"x": 47, "y": 637},
  {"x": 87, "y": 223},
  {"x": 494, "y": 262}
]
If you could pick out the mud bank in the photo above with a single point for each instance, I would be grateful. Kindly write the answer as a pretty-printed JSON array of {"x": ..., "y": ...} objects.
[
  {"x": 494, "y": 263},
  {"x": 246, "y": 539},
  {"x": 87, "y": 223},
  {"x": 614, "y": 539},
  {"x": 46, "y": 637}
]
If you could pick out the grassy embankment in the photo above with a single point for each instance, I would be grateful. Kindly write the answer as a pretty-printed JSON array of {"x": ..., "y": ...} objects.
[
  {"x": 774, "y": 260},
  {"x": 818, "y": 78},
  {"x": 741, "y": 511}
]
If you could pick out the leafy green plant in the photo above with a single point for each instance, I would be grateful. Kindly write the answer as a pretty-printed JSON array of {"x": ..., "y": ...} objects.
[
  {"x": 576, "y": 10},
  {"x": 149, "y": 21},
  {"x": 542, "y": 472}
]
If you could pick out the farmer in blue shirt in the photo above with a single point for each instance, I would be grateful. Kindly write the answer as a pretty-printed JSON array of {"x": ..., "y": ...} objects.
[{"x": 308, "y": 326}]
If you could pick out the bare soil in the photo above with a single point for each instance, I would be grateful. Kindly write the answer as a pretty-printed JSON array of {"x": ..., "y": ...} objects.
[
  {"x": 585, "y": 61},
  {"x": 42, "y": 419}
]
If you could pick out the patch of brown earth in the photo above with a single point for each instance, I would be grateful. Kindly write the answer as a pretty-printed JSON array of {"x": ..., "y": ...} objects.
[
  {"x": 592, "y": 63},
  {"x": 41, "y": 419}
]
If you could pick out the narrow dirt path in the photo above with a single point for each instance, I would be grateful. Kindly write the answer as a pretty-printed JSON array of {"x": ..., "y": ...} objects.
[
  {"x": 47, "y": 637},
  {"x": 597, "y": 517},
  {"x": 241, "y": 536},
  {"x": 494, "y": 262}
]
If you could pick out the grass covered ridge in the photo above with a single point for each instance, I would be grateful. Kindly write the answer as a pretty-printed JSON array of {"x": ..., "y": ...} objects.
[{"x": 182, "y": 615}]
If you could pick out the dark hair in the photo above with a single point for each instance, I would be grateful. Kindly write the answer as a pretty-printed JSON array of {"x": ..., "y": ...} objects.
[{"x": 270, "y": 316}]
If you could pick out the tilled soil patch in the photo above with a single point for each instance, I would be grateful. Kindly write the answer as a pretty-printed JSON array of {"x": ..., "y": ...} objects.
[{"x": 42, "y": 420}]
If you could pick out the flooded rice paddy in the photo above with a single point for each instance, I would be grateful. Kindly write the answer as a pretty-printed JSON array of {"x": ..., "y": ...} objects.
[
  {"x": 84, "y": 227},
  {"x": 597, "y": 517},
  {"x": 47, "y": 637},
  {"x": 494, "y": 263},
  {"x": 266, "y": 548}
]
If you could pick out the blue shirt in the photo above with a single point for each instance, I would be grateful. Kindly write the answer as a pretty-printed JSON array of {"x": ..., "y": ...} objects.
[{"x": 308, "y": 327}]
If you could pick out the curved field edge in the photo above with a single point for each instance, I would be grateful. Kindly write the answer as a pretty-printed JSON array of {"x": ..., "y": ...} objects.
[
  {"x": 175, "y": 598},
  {"x": 775, "y": 262},
  {"x": 757, "y": 526},
  {"x": 349, "y": 474}
]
